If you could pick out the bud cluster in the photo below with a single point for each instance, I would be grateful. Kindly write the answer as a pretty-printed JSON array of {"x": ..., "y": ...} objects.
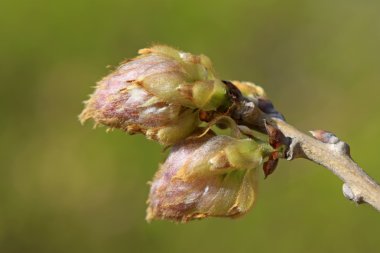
[{"x": 163, "y": 94}]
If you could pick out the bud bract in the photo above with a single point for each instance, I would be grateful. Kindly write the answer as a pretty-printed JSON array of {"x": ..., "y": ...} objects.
[
  {"x": 129, "y": 107},
  {"x": 249, "y": 89},
  {"x": 184, "y": 78}
]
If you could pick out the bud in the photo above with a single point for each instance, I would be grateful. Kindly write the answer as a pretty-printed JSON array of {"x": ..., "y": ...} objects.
[
  {"x": 208, "y": 176},
  {"x": 325, "y": 136},
  {"x": 258, "y": 94},
  {"x": 249, "y": 89},
  {"x": 156, "y": 94}
]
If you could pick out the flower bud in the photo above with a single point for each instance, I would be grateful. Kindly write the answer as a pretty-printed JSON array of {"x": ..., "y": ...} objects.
[
  {"x": 156, "y": 94},
  {"x": 207, "y": 176},
  {"x": 249, "y": 89}
]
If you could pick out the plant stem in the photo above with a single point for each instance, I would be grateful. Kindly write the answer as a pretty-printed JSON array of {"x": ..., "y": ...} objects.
[
  {"x": 324, "y": 148},
  {"x": 358, "y": 186}
]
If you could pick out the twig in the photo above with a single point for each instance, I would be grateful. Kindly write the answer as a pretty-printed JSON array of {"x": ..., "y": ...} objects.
[
  {"x": 327, "y": 150},
  {"x": 324, "y": 149}
]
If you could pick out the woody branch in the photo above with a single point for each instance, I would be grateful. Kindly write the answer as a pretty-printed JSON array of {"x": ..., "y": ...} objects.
[{"x": 323, "y": 148}]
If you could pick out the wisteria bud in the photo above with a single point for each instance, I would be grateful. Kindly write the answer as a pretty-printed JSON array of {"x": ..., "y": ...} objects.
[
  {"x": 156, "y": 94},
  {"x": 207, "y": 176},
  {"x": 249, "y": 89}
]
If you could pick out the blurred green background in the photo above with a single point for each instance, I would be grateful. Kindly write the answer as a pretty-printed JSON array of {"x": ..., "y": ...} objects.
[{"x": 68, "y": 188}]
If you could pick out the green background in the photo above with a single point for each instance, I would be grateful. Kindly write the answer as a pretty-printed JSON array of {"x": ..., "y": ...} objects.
[{"x": 68, "y": 188}]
